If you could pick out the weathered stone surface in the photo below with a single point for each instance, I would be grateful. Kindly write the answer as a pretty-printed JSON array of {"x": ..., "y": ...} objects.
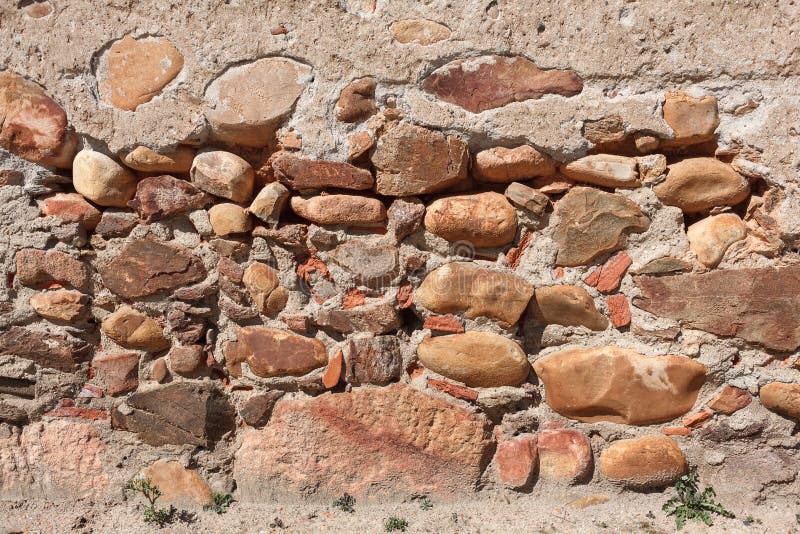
[
  {"x": 757, "y": 305},
  {"x": 369, "y": 443},
  {"x": 159, "y": 197},
  {"x": 405, "y": 217},
  {"x": 619, "y": 385},
  {"x": 145, "y": 159},
  {"x": 223, "y": 174},
  {"x": 33, "y": 125},
  {"x": 298, "y": 174},
  {"x": 115, "y": 224},
  {"x": 177, "y": 413},
  {"x": 71, "y": 207},
  {"x": 593, "y": 222},
  {"x": 269, "y": 203},
  {"x": 783, "y": 399},
  {"x": 464, "y": 288},
  {"x": 227, "y": 218},
  {"x": 247, "y": 103},
  {"x": 272, "y": 352},
  {"x": 377, "y": 317},
  {"x": 527, "y": 198},
  {"x": 567, "y": 305},
  {"x": 478, "y": 359},
  {"x": 41, "y": 268},
  {"x": 730, "y": 400},
  {"x": 374, "y": 266},
  {"x": 186, "y": 360},
  {"x": 607, "y": 134},
  {"x": 605, "y": 170},
  {"x": 339, "y": 209},
  {"x": 373, "y": 360},
  {"x": 360, "y": 144},
  {"x": 564, "y": 455},
  {"x": 411, "y": 160},
  {"x": 481, "y": 219},
  {"x": 52, "y": 351},
  {"x": 419, "y": 31},
  {"x": 102, "y": 180},
  {"x": 516, "y": 461},
  {"x": 116, "y": 373},
  {"x": 68, "y": 306},
  {"x": 488, "y": 82},
  {"x": 641, "y": 463},
  {"x": 179, "y": 486},
  {"x": 357, "y": 100},
  {"x": 693, "y": 120},
  {"x": 504, "y": 165},
  {"x": 697, "y": 184},
  {"x": 619, "y": 311},
  {"x": 263, "y": 284},
  {"x": 710, "y": 238},
  {"x": 257, "y": 410},
  {"x": 663, "y": 266},
  {"x": 146, "y": 267},
  {"x": 133, "y": 329},
  {"x": 137, "y": 70}
]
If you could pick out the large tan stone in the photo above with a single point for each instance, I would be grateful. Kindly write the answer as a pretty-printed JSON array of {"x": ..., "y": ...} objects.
[
  {"x": 503, "y": 165},
  {"x": 419, "y": 31},
  {"x": 480, "y": 219},
  {"x": 564, "y": 455},
  {"x": 223, "y": 174},
  {"x": 263, "y": 284},
  {"x": 619, "y": 385},
  {"x": 605, "y": 170},
  {"x": 710, "y": 238},
  {"x": 145, "y": 159},
  {"x": 642, "y": 463},
  {"x": 478, "y": 359},
  {"x": 693, "y": 120},
  {"x": 781, "y": 398},
  {"x": 133, "y": 329},
  {"x": 272, "y": 352},
  {"x": 698, "y": 184},
  {"x": 339, "y": 209},
  {"x": 179, "y": 486},
  {"x": 568, "y": 306},
  {"x": 102, "y": 180},
  {"x": 62, "y": 305},
  {"x": 465, "y": 288}
]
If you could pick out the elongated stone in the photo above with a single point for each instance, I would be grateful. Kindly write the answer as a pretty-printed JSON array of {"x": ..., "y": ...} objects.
[
  {"x": 781, "y": 398},
  {"x": 480, "y": 219},
  {"x": 504, "y": 165},
  {"x": 273, "y": 352},
  {"x": 159, "y": 197},
  {"x": 641, "y": 463},
  {"x": 298, "y": 174},
  {"x": 605, "y": 170},
  {"x": 340, "y": 209},
  {"x": 698, "y": 184}
]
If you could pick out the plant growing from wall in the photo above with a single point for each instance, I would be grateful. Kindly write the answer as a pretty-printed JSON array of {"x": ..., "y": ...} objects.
[
  {"x": 395, "y": 523},
  {"x": 221, "y": 502},
  {"x": 345, "y": 503},
  {"x": 151, "y": 492},
  {"x": 691, "y": 504}
]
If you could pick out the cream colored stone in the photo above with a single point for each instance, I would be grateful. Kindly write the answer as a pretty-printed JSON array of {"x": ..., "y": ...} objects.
[
  {"x": 63, "y": 305},
  {"x": 710, "y": 238},
  {"x": 227, "y": 219},
  {"x": 504, "y": 165},
  {"x": 269, "y": 203},
  {"x": 144, "y": 159},
  {"x": 420, "y": 31},
  {"x": 223, "y": 174},
  {"x": 102, "y": 180},
  {"x": 133, "y": 329},
  {"x": 605, "y": 170},
  {"x": 641, "y": 463},
  {"x": 263, "y": 284}
]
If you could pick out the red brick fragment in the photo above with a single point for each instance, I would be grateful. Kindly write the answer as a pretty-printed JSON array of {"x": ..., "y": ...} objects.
[
  {"x": 515, "y": 254},
  {"x": 698, "y": 419},
  {"x": 618, "y": 310},
  {"x": 731, "y": 400},
  {"x": 405, "y": 295},
  {"x": 66, "y": 408},
  {"x": 353, "y": 297},
  {"x": 333, "y": 373},
  {"x": 676, "y": 431},
  {"x": 608, "y": 277},
  {"x": 444, "y": 323},
  {"x": 457, "y": 391}
]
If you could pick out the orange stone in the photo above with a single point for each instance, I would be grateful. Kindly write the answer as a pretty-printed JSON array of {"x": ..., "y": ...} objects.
[
  {"x": 516, "y": 460},
  {"x": 619, "y": 310},
  {"x": 459, "y": 392},
  {"x": 444, "y": 323},
  {"x": 697, "y": 420},
  {"x": 730, "y": 400},
  {"x": 333, "y": 373}
]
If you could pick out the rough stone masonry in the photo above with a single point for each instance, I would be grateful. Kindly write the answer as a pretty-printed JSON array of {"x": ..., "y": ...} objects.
[{"x": 292, "y": 249}]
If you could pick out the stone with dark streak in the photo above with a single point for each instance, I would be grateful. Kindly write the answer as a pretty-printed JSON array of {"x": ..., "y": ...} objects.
[{"x": 159, "y": 197}]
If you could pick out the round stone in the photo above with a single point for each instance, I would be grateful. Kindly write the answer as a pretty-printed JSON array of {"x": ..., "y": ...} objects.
[
  {"x": 480, "y": 219},
  {"x": 698, "y": 184},
  {"x": 102, "y": 180},
  {"x": 227, "y": 219},
  {"x": 641, "y": 463}
]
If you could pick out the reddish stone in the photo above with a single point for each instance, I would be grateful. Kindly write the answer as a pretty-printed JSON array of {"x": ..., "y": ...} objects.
[
  {"x": 272, "y": 352},
  {"x": 378, "y": 317},
  {"x": 158, "y": 371},
  {"x": 444, "y": 323},
  {"x": 405, "y": 295},
  {"x": 731, "y": 400},
  {"x": 516, "y": 460},
  {"x": 230, "y": 269},
  {"x": 608, "y": 277},
  {"x": 159, "y": 197},
  {"x": 676, "y": 431},
  {"x": 353, "y": 297},
  {"x": 559, "y": 273},
  {"x": 256, "y": 410},
  {"x": 299, "y": 174},
  {"x": 457, "y": 391},
  {"x": 81, "y": 413},
  {"x": 290, "y": 235},
  {"x": 71, "y": 208},
  {"x": 51, "y": 351},
  {"x": 296, "y": 322},
  {"x": 618, "y": 310},
  {"x": 564, "y": 454},
  {"x": 356, "y": 101},
  {"x": 333, "y": 373},
  {"x": 593, "y": 278},
  {"x": 405, "y": 217},
  {"x": 90, "y": 391},
  {"x": 117, "y": 373},
  {"x": 115, "y": 224},
  {"x": 515, "y": 254},
  {"x": 373, "y": 360},
  {"x": 186, "y": 360},
  {"x": 698, "y": 419},
  {"x": 39, "y": 268}
]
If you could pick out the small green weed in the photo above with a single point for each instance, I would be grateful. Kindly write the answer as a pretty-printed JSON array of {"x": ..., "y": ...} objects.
[
  {"x": 346, "y": 503},
  {"x": 395, "y": 523},
  {"x": 221, "y": 502},
  {"x": 151, "y": 492},
  {"x": 425, "y": 503},
  {"x": 691, "y": 504}
]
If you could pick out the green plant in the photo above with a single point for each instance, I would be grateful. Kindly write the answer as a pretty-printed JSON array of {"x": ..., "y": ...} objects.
[
  {"x": 150, "y": 491},
  {"x": 425, "y": 503},
  {"x": 395, "y": 523},
  {"x": 749, "y": 520},
  {"x": 345, "y": 503},
  {"x": 691, "y": 504},
  {"x": 221, "y": 502}
]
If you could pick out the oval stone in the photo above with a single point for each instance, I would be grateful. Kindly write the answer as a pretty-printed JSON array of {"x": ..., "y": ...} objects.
[
  {"x": 339, "y": 209},
  {"x": 481, "y": 219},
  {"x": 272, "y": 352},
  {"x": 605, "y": 170},
  {"x": 641, "y": 463},
  {"x": 697, "y": 184},
  {"x": 102, "y": 180},
  {"x": 781, "y": 398}
]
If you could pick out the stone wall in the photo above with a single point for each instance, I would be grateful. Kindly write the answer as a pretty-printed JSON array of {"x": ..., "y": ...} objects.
[{"x": 398, "y": 248}]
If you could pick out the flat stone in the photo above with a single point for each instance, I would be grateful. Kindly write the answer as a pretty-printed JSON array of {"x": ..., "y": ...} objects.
[
  {"x": 339, "y": 209},
  {"x": 159, "y": 197},
  {"x": 269, "y": 203},
  {"x": 133, "y": 329},
  {"x": 730, "y": 400},
  {"x": 693, "y": 120},
  {"x": 592, "y": 222},
  {"x": 300, "y": 174},
  {"x": 567, "y": 305},
  {"x": 477, "y": 359},
  {"x": 376, "y": 317},
  {"x": 67, "y": 306},
  {"x": 333, "y": 373},
  {"x": 664, "y": 265},
  {"x": 503, "y": 165},
  {"x": 116, "y": 373},
  {"x": 609, "y": 276},
  {"x": 619, "y": 311},
  {"x": 263, "y": 284},
  {"x": 479, "y": 219},
  {"x": 516, "y": 460},
  {"x": 257, "y": 410},
  {"x": 387, "y": 429},
  {"x": 419, "y": 31},
  {"x": 227, "y": 218},
  {"x": 374, "y": 266},
  {"x": 527, "y": 198},
  {"x": 224, "y": 175},
  {"x": 487, "y": 82},
  {"x": 102, "y": 180},
  {"x": 605, "y": 170},
  {"x": 71, "y": 208},
  {"x": 115, "y": 224},
  {"x": 698, "y": 184},
  {"x": 373, "y": 360},
  {"x": 619, "y": 385},
  {"x": 137, "y": 70},
  {"x": 405, "y": 217},
  {"x": 145, "y": 159},
  {"x": 411, "y": 160},
  {"x": 34, "y": 126},
  {"x": 51, "y": 351},
  {"x": 272, "y": 352},
  {"x": 454, "y": 390},
  {"x": 783, "y": 399},
  {"x": 360, "y": 144},
  {"x": 247, "y": 103},
  {"x": 757, "y": 305},
  {"x": 710, "y": 238},
  {"x": 146, "y": 267},
  {"x": 37, "y": 268},
  {"x": 444, "y": 323},
  {"x": 564, "y": 455},
  {"x": 357, "y": 101},
  {"x": 179, "y": 486},
  {"x": 186, "y": 360},
  {"x": 641, "y": 463},
  {"x": 464, "y": 288}
]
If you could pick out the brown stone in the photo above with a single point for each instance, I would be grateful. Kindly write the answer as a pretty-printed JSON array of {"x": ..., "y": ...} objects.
[
  {"x": 757, "y": 305},
  {"x": 464, "y": 288},
  {"x": 47, "y": 350},
  {"x": 186, "y": 360},
  {"x": 477, "y": 359},
  {"x": 592, "y": 222},
  {"x": 37, "y": 268},
  {"x": 133, "y": 329},
  {"x": 299, "y": 174},
  {"x": 71, "y": 208},
  {"x": 179, "y": 485},
  {"x": 607, "y": 134},
  {"x": 159, "y": 197},
  {"x": 269, "y": 203},
  {"x": 619, "y": 385},
  {"x": 480, "y": 219},
  {"x": 488, "y": 82},
  {"x": 516, "y": 461},
  {"x": 730, "y": 400},
  {"x": 117, "y": 373},
  {"x": 387, "y": 429},
  {"x": 444, "y": 323},
  {"x": 115, "y": 224},
  {"x": 698, "y": 184},
  {"x": 374, "y": 266},
  {"x": 223, "y": 174},
  {"x": 339, "y": 209},
  {"x": 664, "y": 266},
  {"x": 619, "y": 311},
  {"x": 527, "y": 198},
  {"x": 145, "y": 159},
  {"x": 377, "y": 317},
  {"x": 568, "y": 306},
  {"x": 333, "y": 373},
  {"x": 256, "y": 410},
  {"x": 710, "y": 238},
  {"x": 146, "y": 267},
  {"x": 227, "y": 219},
  {"x": 158, "y": 371},
  {"x": 783, "y": 399},
  {"x": 605, "y": 170},
  {"x": 263, "y": 284},
  {"x": 272, "y": 352},
  {"x": 693, "y": 120},
  {"x": 373, "y": 360},
  {"x": 564, "y": 455},
  {"x": 641, "y": 463},
  {"x": 356, "y": 101},
  {"x": 411, "y": 160},
  {"x": 504, "y": 165},
  {"x": 419, "y": 31},
  {"x": 67, "y": 306},
  {"x": 405, "y": 217}
]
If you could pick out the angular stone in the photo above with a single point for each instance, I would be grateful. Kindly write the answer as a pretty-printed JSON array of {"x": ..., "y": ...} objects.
[
  {"x": 272, "y": 352},
  {"x": 605, "y": 170},
  {"x": 388, "y": 429},
  {"x": 159, "y": 197},
  {"x": 71, "y": 208},
  {"x": 487, "y": 82},
  {"x": 374, "y": 266},
  {"x": 527, "y": 198},
  {"x": 608, "y": 277},
  {"x": 67, "y": 306},
  {"x": 333, "y": 373},
  {"x": 224, "y": 175},
  {"x": 619, "y": 311},
  {"x": 642, "y": 463},
  {"x": 503, "y": 165},
  {"x": 698, "y": 184},
  {"x": 663, "y": 266},
  {"x": 51, "y": 351},
  {"x": 144, "y": 159},
  {"x": 249, "y": 102},
  {"x": 356, "y": 101},
  {"x": 146, "y": 267},
  {"x": 444, "y": 323},
  {"x": 269, "y": 203},
  {"x": 116, "y": 373},
  {"x": 227, "y": 218},
  {"x": 619, "y": 385},
  {"x": 376, "y": 317},
  {"x": 102, "y": 180},
  {"x": 137, "y": 71},
  {"x": 405, "y": 217},
  {"x": 479, "y": 219},
  {"x": 299, "y": 174},
  {"x": 34, "y": 126},
  {"x": 419, "y": 31},
  {"x": 263, "y": 284},
  {"x": 757, "y": 305},
  {"x": 115, "y": 224},
  {"x": 516, "y": 461},
  {"x": 607, "y": 134},
  {"x": 42, "y": 268},
  {"x": 477, "y": 359},
  {"x": 592, "y": 222},
  {"x": 257, "y": 409},
  {"x": 783, "y": 399},
  {"x": 730, "y": 400},
  {"x": 710, "y": 238},
  {"x": 564, "y": 455},
  {"x": 693, "y": 120},
  {"x": 373, "y": 360},
  {"x": 133, "y": 329},
  {"x": 360, "y": 143},
  {"x": 411, "y": 160},
  {"x": 339, "y": 209},
  {"x": 179, "y": 485},
  {"x": 568, "y": 306},
  {"x": 186, "y": 360},
  {"x": 464, "y": 288}
]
